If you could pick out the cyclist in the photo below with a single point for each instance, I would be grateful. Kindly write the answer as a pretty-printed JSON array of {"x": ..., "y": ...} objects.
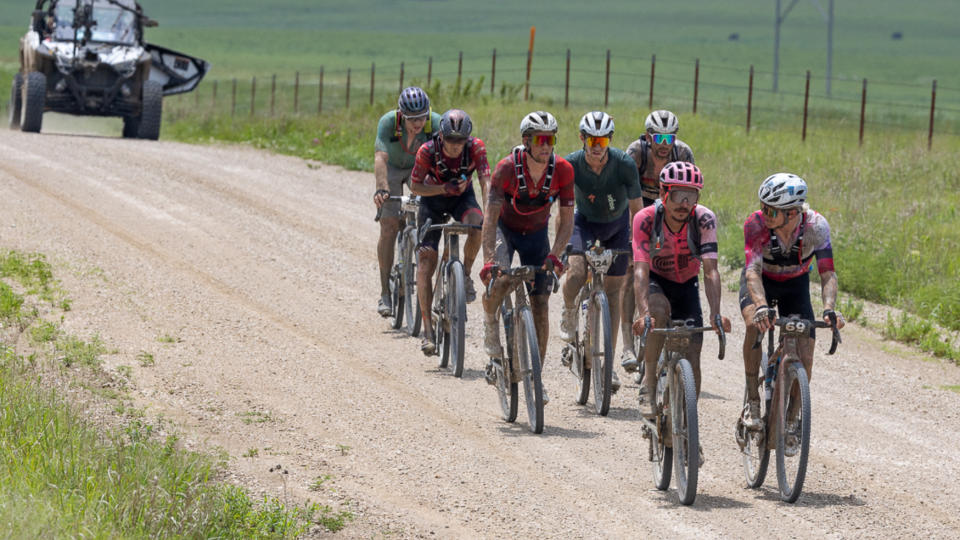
[
  {"x": 400, "y": 133},
  {"x": 442, "y": 177},
  {"x": 671, "y": 240},
  {"x": 658, "y": 146},
  {"x": 606, "y": 183},
  {"x": 780, "y": 241},
  {"x": 525, "y": 185}
]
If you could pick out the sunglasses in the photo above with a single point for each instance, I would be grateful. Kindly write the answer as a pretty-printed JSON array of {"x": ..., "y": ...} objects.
[
  {"x": 539, "y": 140},
  {"x": 455, "y": 140},
  {"x": 602, "y": 142},
  {"x": 684, "y": 196},
  {"x": 771, "y": 212},
  {"x": 663, "y": 138}
]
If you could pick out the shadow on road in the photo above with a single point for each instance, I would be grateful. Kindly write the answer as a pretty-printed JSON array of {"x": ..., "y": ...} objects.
[
  {"x": 814, "y": 499},
  {"x": 520, "y": 428}
]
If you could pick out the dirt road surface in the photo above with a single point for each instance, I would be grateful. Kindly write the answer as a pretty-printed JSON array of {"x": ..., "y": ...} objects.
[{"x": 262, "y": 269}]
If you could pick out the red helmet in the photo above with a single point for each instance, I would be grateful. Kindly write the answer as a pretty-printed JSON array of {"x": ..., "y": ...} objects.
[{"x": 681, "y": 174}]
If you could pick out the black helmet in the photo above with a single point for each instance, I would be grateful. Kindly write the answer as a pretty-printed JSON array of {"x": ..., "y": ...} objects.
[
  {"x": 455, "y": 124},
  {"x": 413, "y": 102}
]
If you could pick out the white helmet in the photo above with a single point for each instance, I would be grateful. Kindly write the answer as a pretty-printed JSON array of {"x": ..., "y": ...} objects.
[
  {"x": 661, "y": 121},
  {"x": 538, "y": 121},
  {"x": 783, "y": 190},
  {"x": 596, "y": 124}
]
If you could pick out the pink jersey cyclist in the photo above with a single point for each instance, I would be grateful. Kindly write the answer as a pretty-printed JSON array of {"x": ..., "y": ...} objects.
[
  {"x": 674, "y": 261},
  {"x": 782, "y": 263}
]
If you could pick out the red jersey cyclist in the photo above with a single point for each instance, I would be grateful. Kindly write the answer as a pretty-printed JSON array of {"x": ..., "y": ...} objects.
[
  {"x": 442, "y": 178},
  {"x": 524, "y": 187}
]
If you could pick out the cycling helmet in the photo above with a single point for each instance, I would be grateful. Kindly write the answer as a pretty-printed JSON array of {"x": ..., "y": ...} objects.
[
  {"x": 413, "y": 102},
  {"x": 456, "y": 123},
  {"x": 538, "y": 121},
  {"x": 783, "y": 190},
  {"x": 661, "y": 121},
  {"x": 681, "y": 174},
  {"x": 596, "y": 124}
]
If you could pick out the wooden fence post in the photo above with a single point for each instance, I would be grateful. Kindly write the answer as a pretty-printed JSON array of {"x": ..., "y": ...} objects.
[
  {"x": 653, "y": 71},
  {"x": 459, "y": 71},
  {"x": 253, "y": 96},
  {"x": 606, "y": 85},
  {"x": 750, "y": 99},
  {"x": 273, "y": 94},
  {"x": 566, "y": 87},
  {"x": 806, "y": 100},
  {"x": 348, "y": 88},
  {"x": 373, "y": 69},
  {"x": 863, "y": 109},
  {"x": 493, "y": 71},
  {"x": 696, "y": 84},
  {"x": 933, "y": 103},
  {"x": 429, "y": 70},
  {"x": 296, "y": 93},
  {"x": 233, "y": 99},
  {"x": 401, "y": 78},
  {"x": 213, "y": 99},
  {"x": 320, "y": 93}
]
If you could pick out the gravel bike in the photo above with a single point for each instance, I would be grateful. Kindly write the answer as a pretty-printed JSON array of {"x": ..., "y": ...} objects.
[
  {"x": 450, "y": 296},
  {"x": 784, "y": 407},
  {"x": 590, "y": 355},
  {"x": 674, "y": 433},
  {"x": 403, "y": 273},
  {"x": 521, "y": 357}
]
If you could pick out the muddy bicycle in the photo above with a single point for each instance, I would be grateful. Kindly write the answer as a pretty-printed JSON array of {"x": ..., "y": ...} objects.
[
  {"x": 590, "y": 355},
  {"x": 521, "y": 357},
  {"x": 674, "y": 432},
  {"x": 403, "y": 273},
  {"x": 784, "y": 407},
  {"x": 450, "y": 296}
]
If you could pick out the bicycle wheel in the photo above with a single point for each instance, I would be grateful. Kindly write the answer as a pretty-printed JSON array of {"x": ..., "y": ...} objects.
[
  {"x": 506, "y": 383},
  {"x": 456, "y": 316},
  {"x": 395, "y": 284},
  {"x": 684, "y": 430},
  {"x": 601, "y": 352},
  {"x": 756, "y": 453},
  {"x": 791, "y": 470},
  {"x": 638, "y": 375},
  {"x": 528, "y": 359},
  {"x": 661, "y": 454},
  {"x": 581, "y": 373},
  {"x": 409, "y": 272},
  {"x": 441, "y": 321}
]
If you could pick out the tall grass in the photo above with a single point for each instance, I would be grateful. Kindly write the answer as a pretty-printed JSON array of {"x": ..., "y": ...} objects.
[{"x": 892, "y": 204}]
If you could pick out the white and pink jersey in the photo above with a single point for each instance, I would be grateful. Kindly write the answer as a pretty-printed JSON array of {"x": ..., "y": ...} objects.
[
  {"x": 674, "y": 261},
  {"x": 811, "y": 237}
]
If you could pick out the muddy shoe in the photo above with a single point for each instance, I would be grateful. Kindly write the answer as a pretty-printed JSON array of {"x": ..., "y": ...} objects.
[
  {"x": 751, "y": 417},
  {"x": 628, "y": 361},
  {"x": 427, "y": 346},
  {"x": 490, "y": 373},
  {"x": 385, "y": 306},
  {"x": 791, "y": 443},
  {"x": 546, "y": 398},
  {"x": 614, "y": 382},
  {"x": 568, "y": 324},
  {"x": 470, "y": 290},
  {"x": 647, "y": 409}
]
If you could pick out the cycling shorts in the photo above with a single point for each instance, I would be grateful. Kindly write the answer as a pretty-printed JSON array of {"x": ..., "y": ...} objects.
[
  {"x": 791, "y": 297},
  {"x": 532, "y": 247},
  {"x": 613, "y": 235},
  {"x": 440, "y": 208},
  {"x": 684, "y": 297}
]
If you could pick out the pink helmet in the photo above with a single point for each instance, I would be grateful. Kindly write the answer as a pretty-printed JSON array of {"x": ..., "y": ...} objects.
[{"x": 681, "y": 174}]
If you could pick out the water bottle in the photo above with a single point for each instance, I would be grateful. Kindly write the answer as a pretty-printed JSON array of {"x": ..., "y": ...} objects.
[
  {"x": 582, "y": 323},
  {"x": 768, "y": 380}
]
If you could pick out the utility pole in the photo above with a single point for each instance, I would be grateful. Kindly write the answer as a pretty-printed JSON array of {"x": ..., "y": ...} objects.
[{"x": 780, "y": 16}]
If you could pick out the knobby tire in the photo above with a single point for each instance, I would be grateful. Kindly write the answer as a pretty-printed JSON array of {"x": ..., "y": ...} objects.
[{"x": 792, "y": 484}]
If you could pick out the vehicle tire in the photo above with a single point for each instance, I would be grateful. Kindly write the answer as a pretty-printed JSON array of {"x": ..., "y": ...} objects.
[
  {"x": 791, "y": 471},
  {"x": 756, "y": 453},
  {"x": 131, "y": 127},
  {"x": 16, "y": 100},
  {"x": 395, "y": 285},
  {"x": 151, "y": 113},
  {"x": 684, "y": 431},
  {"x": 410, "y": 302},
  {"x": 457, "y": 315},
  {"x": 600, "y": 352},
  {"x": 506, "y": 383},
  {"x": 34, "y": 97},
  {"x": 528, "y": 356}
]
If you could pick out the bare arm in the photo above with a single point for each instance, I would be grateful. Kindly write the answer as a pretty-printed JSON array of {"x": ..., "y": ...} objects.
[
  {"x": 828, "y": 281},
  {"x": 491, "y": 218},
  {"x": 484, "y": 187},
  {"x": 636, "y": 205},
  {"x": 426, "y": 190},
  {"x": 564, "y": 230},
  {"x": 380, "y": 177},
  {"x": 711, "y": 280},
  {"x": 755, "y": 287},
  {"x": 641, "y": 287}
]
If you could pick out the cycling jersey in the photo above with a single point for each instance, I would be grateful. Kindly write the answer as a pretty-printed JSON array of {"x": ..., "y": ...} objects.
[
  {"x": 674, "y": 259},
  {"x": 433, "y": 167},
  {"x": 391, "y": 140},
  {"x": 640, "y": 151},
  {"x": 528, "y": 210},
  {"x": 603, "y": 198},
  {"x": 765, "y": 253}
]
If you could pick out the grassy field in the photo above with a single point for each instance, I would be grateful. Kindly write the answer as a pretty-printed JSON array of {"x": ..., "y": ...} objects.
[{"x": 62, "y": 475}]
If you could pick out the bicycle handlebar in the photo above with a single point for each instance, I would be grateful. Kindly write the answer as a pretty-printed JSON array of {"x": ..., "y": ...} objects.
[
  {"x": 799, "y": 326},
  {"x": 522, "y": 273},
  {"x": 682, "y": 328},
  {"x": 403, "y": 199}
]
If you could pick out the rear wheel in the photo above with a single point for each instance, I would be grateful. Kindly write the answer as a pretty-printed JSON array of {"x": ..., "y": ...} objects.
[
  {"x": 457, "y": 316},
  {"x": 131, "y": 127},
  {"x": 528, "y": 356},
  {"x": 684, "y": 430},
  {"x": 16, "y": 100},
  {"x": 34, "y": 96},
  {"x": 151, "y": 113},
  {"x": 506, "y": 383},
  {"x": 793, "y": 422},
  {"x": 601, "y": 352}
]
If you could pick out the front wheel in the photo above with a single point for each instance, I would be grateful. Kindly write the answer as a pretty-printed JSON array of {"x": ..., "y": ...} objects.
[
  {"x": 34, "y": 100},
  {"x": 528, "y": 359},
  {"x": 151, "y": 112},
  {"x": 456, "y": 316},
  {"x": 685, "y": 432},
  {"x": 601, "y": 352},
  {"x": 793, "y": 432},
  {"x": 396, "y": 285},
  {"x": 409, "y": 271},
  {"x": 506, "y": 382}
]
